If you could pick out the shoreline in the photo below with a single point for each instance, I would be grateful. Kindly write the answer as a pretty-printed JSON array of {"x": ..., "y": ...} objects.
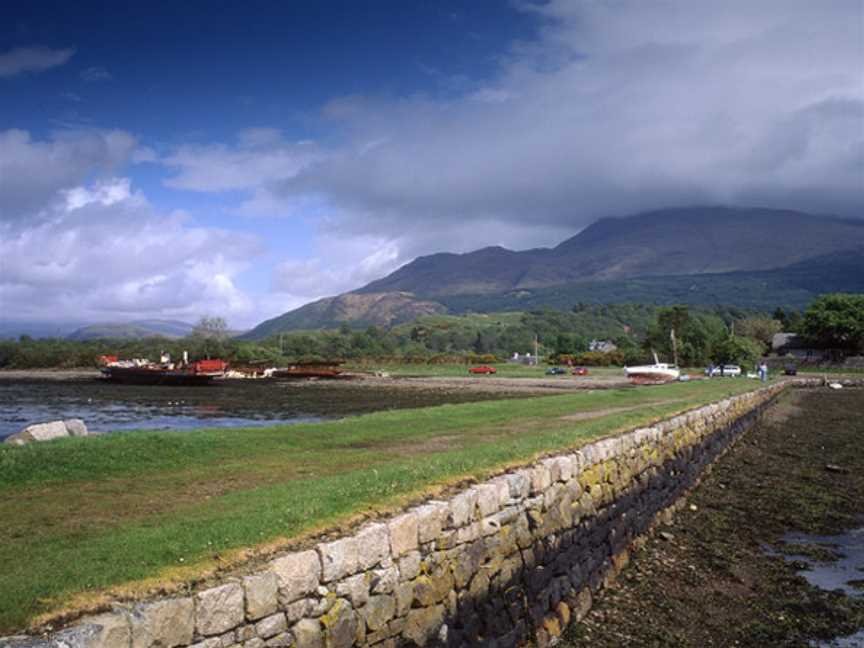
[{"x": 484, "y": 384}]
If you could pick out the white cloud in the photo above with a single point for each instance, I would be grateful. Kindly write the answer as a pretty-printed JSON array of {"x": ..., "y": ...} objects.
[
  {"x": 95, "y": 73},
  {"x": 23, "y": 60},
  {"x": 105, "y": 251},
  {"x": 78, "y": 242},
  {"x": 339, "y": 264},
  {"x": 619, "y": 107},
  {"x": 33, "y": 172},
  {"x": 260, "y": 156}
]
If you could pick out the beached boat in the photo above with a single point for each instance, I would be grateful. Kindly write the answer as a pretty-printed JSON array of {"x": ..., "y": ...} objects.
[
  {"x": 311, "y": 370},
  {"x": 144, "y": 372},
  {"x": 652, "y": 374}
]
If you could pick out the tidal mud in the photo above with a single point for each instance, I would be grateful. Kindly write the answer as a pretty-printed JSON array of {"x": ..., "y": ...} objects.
[{"x": 707, "y": 580}]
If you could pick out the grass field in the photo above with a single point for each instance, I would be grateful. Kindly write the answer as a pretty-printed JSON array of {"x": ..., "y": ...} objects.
[
  {"x": 81, "y": 516},
  {"x": 503, "y": 370}
]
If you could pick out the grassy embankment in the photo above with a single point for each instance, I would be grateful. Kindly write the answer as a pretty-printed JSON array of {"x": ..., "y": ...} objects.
[{"x": 81, "y": 516}]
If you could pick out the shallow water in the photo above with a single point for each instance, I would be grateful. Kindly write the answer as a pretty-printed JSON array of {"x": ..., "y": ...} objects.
[
  {"x": 834, "y": 575},
  {"x": 106, "y": 407},
  {"x": 838, "y": 574}
]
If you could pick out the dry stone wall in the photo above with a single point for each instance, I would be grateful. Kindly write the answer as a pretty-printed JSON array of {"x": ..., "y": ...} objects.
[{"x": 505, "y": 562}]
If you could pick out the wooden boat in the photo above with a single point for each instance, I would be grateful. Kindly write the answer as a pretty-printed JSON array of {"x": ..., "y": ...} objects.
[
  {"x": 144, "y": 372},
  {"x": 309, "y": 371}
]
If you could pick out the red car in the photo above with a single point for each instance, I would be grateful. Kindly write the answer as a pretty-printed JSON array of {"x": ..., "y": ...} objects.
[
  {"x": 580, "y": 371},
  {"x": 483, "y": 369}
]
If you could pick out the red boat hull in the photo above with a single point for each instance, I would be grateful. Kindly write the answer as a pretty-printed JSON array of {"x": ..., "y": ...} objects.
[{"x": 145, "y": 376}]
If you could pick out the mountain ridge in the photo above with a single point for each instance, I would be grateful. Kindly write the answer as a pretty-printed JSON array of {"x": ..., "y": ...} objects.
[{"x": 753, "y": 257}]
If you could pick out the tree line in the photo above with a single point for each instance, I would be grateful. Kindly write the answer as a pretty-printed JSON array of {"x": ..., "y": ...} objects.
[{"x": 719, "y": 335}]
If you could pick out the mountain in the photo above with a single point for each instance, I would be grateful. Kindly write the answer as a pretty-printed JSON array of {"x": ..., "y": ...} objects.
[
  {"x": 685, "y": 241},
  {"x": 12, "y": 330},
  {"x": 749, "y": 257},
  {"x": 357, "y": 310},
  {"x": 133, "y": 330}
]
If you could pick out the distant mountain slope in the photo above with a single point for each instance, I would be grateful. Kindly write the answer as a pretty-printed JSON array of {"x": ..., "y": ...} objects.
[
  {"x": 378, "y": 309},
  {"x": 753, "y": 258},
  {"x": 686, "y": 241},
  {"x": 792, "y": 287},
  {"x": 133, "y": 330}
]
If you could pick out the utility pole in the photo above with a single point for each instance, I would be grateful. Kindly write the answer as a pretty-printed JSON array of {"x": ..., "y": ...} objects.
[{"x": 536, "y": 350}]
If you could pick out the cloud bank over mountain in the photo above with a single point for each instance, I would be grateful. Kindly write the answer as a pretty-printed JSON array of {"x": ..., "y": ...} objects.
[{"x": 608, "y": 109}]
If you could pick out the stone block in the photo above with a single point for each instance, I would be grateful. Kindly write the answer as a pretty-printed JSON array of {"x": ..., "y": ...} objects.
[
  {"x": 378, "y": 611},
  {"x": 384, "y": 580},
  {"x": 166, "y": 623},
  {"x": 299, "y": 609},
  {"x": 342, "y": 626},
  {"x": 261, "y": 594},
  {"x": 219, "y": 609},
  {"x": 422, "y": 625},
  {"x": 520, "y": 484},
  {"x": 488, "y": 499},
  {"x": 404, "y": 534},
  {"x": 409, "y": 566},
  {"x": 298, "y": 575},
  {"x": 355, "y": 589},
  {"x": 404, "y": 596},
  {"x": 462, "y": 508},
  {"x": 39, "y": 432},
  {"x": 307, "y": 634},
  {"x": 430, "y": 520},
  {"x": 271, "y": 626},
  {"x": 110, "y": 629},
  {"x": 76, "y": 428},
  {"x": 540, "y": 479},
  {"x": 372, "y": 545}
]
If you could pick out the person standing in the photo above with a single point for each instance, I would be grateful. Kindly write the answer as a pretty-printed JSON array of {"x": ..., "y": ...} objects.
[{"x": 763, "y": 371}]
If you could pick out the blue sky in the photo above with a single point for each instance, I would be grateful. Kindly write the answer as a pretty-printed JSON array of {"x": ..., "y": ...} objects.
[{"x": 181, "y": 159}]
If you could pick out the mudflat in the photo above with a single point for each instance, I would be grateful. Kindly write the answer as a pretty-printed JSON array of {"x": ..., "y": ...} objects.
[{"x": 718, "y": 575}]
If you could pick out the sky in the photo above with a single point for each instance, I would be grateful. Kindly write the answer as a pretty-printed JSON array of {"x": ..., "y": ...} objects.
[{"x": 173, "y": 160}]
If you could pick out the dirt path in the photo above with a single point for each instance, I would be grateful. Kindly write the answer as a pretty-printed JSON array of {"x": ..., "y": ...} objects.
[{"x": 708, "y": 581}]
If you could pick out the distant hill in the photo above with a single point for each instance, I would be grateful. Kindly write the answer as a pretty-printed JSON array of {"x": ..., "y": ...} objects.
[
  {"x": 133, "y": 330},
  {"x": 749, "y": 257},
  {"x": 357, "y": 310},
  {"x": 685, "y": 241}
]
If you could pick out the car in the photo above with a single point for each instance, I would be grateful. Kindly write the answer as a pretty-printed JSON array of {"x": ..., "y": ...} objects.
[
  {"x": 723, "y": 370},
  {"x": 790, "y": 370},
  {"x": 579, "y": 371},
  {"x": 556, "y": 371},
  {"x": 482, "y": 369}
]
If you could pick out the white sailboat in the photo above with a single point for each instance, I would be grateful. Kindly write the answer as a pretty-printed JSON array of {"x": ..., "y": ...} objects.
[{"x": 659, "y": 372}]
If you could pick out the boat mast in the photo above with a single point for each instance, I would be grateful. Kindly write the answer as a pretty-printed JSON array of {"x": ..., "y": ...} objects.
[{"x": 674, "y": 346}]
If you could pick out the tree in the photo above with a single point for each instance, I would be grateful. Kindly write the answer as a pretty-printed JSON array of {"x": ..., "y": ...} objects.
[
  {"x": 760, "y": 329},
  {"x": 738, "y": 350},
  {"x": 209, "y": 336},
  {"x": 211, "y": 328},
  {"x": 836, "y": 321}
]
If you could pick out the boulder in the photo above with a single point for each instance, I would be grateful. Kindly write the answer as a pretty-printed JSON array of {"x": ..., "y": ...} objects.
[{"x": 48, "y": 432}]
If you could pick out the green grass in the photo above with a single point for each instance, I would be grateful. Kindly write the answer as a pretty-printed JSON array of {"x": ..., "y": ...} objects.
[
  {"x": 503, "y": 370},
  {"x": 83, "y": 515}
]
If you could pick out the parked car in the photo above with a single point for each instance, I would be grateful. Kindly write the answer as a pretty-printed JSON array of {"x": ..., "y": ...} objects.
[
  {"x": 723, "y": 370},
  {"x": 483, "y": 369},
  {"x": 556, "y": 371},
  {"x": 790, "y": 370},
  {"x": 580, "y": 371}
]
